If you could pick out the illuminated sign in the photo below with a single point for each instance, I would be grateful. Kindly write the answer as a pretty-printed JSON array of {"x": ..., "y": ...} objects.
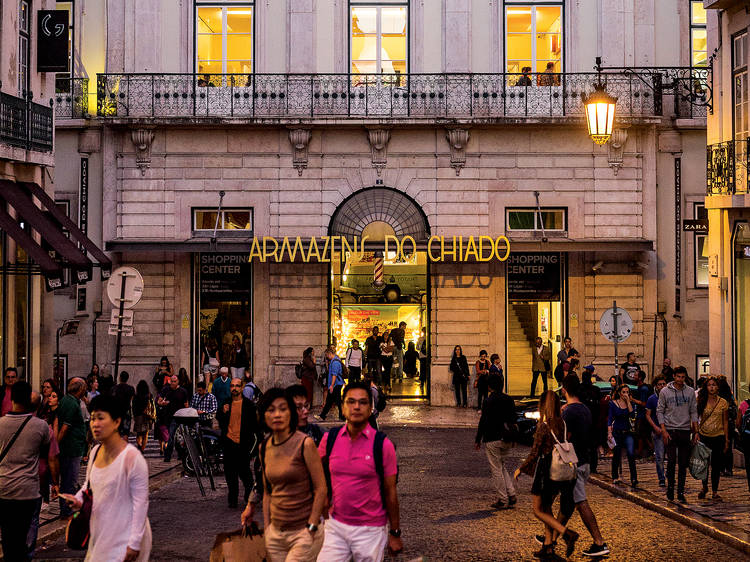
[{"x": 321, "y": 248}]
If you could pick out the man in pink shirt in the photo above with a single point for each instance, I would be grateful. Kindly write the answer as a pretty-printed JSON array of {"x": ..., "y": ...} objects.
[
  {"x": 361, "y": 463},
  {"x": 11, "y": 377}
]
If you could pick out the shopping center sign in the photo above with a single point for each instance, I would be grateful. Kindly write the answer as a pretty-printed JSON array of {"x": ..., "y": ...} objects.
[{"x": 322, "y": 248}]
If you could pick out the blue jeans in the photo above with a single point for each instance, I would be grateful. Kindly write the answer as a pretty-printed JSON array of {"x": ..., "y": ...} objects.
[
  {"x": 624, "y": 441},
  {"x": 659, "y": 456},
  {"x": 170, "y": 442},
  {"x": 70, "y": 468}
]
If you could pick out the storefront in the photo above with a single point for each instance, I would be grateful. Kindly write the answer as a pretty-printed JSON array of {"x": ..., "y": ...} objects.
[{"x": 741, "y": 266}]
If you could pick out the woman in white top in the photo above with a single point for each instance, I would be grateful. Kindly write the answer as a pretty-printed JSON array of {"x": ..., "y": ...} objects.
[{"x": 118, "y": 476}]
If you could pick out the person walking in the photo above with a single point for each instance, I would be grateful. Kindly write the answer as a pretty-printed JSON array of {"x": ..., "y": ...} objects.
[
  {"x": 496, "y": 371},
  {"x": 540, "y": 364},
  {"x": 496, "y": 430},
  {"x": 577, "y": 418},
  {"x": 309, "y": 373},
  {"x": 205, "y": 404},
  {"x": 24, "y": 438},
  {"x": 238, "y": 360},
  {"x": 550, "y": 429},
  {"x": 743, "y": 427},
  {"x": 171, "y": 399},
  {"x": 71, "y": 438},
  {"x": 354, "y": 361},
  {"x": 298, "y": 394},
  {"x": 459, "y": 369},
  {"x": 238, "y": 419},
  {"x": 372, "y": 353},
  {"x": 144, "y": 414},
  {"x": 411, "y": 358},
  {"x": 713, "y": 431},
  {"x": 621, "y": 428},
  {"x": 118, "y": 479},
  {"x": 250, "y": 390},
  {"x": 656, "y": 435},
  {"x": 423, "y": 363},
  {"x": 725, "y": 391},
  {"x": 10, "y": 377},
  {"x": 124, "y": 392},
  {"x": 221, "y": 385},
  {"x": 162, "y": 374},
  {"x": 362, "y": 469},
  {"x": 294, "y": 483},
  {"x": 398, "y": 335},
  {"x": 677, "y": 412},
  {"x": 667, "y": 371},
  {"x": 335, "y": 384},
  {"x": 92, "y": 383},
  {"x": 185, "y": 382},
  {"x": 630, "y": 368},
  {"x": 386, "y": 359},
  {"x": 482, "y": 370}
]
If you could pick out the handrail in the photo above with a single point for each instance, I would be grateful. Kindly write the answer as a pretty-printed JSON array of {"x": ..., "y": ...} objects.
[
  {"x": 25, "y": 124},
  {"x": 726, "y": 168}
]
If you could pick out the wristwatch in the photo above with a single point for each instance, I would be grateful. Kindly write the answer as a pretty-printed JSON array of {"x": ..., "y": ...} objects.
[
  {"x": 395, "y": 533},
  {"x": 312, "y": 528}
]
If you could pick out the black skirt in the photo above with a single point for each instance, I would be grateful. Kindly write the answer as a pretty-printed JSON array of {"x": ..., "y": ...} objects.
[{"x": 548, "y": 489}]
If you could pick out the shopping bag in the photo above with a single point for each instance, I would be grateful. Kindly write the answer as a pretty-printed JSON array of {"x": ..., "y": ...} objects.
[
  {"x": 700, "y": 459},
  {"x": 239, "y": 546}
]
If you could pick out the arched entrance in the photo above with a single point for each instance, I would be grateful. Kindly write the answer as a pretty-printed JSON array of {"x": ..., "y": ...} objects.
[{"x": 383, "y": 290}]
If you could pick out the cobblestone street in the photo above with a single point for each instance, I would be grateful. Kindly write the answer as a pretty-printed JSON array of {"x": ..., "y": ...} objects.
[{"x": 445, "y": 496}]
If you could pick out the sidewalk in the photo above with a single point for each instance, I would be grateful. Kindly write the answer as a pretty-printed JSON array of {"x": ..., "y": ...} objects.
[
  {"x": 727, "y": 520},
  {"x": 413, "y": 413}
]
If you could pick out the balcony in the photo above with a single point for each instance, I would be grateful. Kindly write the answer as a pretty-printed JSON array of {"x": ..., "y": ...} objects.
[
  {"x": 641, "y": 93},
  {"x": 726, "y": 168},
  {"x": 25, "y": 124},
  {"x": 71, "y": 98}
]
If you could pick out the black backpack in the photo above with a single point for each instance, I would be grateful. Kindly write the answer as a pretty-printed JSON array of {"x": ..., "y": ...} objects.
[
  {"x": 382, "y": 400},
  {"x": 298, "y": 370},
  {"x": 377, "y": 453}
]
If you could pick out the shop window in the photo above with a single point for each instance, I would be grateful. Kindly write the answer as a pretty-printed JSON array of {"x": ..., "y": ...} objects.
[
  {"x": 534, "y": 38},
  {"x": 224, "y": 39},
  {"x": 698, "y": 37},
  {"x": 378, "y": 39},
  {"x": 700, "y": 250},
  {"x": 24, "y": 16},
  {"x": 741, "y": 246},
  {"x": 533, "y": 220},
  {"x": 239, "y": 221}
]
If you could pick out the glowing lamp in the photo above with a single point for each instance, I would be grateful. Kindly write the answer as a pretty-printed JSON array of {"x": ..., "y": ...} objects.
[{"x": 600, "y": 114}]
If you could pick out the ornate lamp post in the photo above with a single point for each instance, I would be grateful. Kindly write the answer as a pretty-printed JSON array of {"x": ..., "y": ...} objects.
[{"x": 600, "y": 110}]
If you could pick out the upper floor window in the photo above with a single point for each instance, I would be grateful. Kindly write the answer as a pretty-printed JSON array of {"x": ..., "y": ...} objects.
[
  {"x": 700, "y": 249},
  {"x": 23, "y": 47},
  {"x": 533, "y": 37},
  {"x": 205, "y": 221},
  {"x": 739, "y": 80},
  {"x": 533, "y": 220},
  {"x": 698, "y": 37},
  {"x": 378, "y": 39},
  {"x": 224, "y": 38}
]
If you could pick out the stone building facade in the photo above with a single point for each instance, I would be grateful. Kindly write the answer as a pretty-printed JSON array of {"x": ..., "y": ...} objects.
[{"x": 463, "y": 142}]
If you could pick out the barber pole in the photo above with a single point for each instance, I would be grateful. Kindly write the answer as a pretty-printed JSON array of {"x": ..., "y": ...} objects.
[{"x": 377, "y": 281}]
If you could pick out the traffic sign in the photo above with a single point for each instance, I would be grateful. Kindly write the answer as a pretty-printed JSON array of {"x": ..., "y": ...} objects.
[
  {"x": 127, "y": 318},
  {"x": 125, "y": 330},
  {"x": 133, "y": 290},
  {"x": 623, "y": 322}
]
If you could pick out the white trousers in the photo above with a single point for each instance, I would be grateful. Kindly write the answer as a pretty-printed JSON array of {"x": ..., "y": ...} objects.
[{"x": 345, "y": 542}]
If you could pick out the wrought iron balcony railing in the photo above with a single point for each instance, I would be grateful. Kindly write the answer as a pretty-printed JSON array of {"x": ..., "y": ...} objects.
[
  {"x": 71, "y": 97},
  {"x": 530, "y": 95},
  {"x": 25, "y": 124},
  {"x": 726, "y": 168}
]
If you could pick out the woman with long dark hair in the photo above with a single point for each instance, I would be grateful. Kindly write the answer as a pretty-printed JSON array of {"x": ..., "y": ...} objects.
[
  {"x": 459, "y": 369},
  {"x": 162, "y": 374},
  {"x": 238, "y": 360},
  {"x": 482, "y": 369},
  {"x": 713, "y": 431},
  {"x": 294, "y": 483},
  {"x": 144, "y": 414},
  {"x": 621, "y": 427},
  {"x": 309, "y": 373},
  {"x": 185, "y": 381},
  {"x": 550, "y": 429}
]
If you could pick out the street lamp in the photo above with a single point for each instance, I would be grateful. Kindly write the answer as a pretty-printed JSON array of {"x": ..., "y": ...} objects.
[
  {"x": 69, "y": 327},
  {"x": 600, "y": 110}
]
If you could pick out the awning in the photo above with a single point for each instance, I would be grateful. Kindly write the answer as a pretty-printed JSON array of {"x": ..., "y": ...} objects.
[
  {"x": 189, "y": 246},
  {"x": 49, "y": 224},
  {"x": 583, "y": 245},
  {"x": 104, "y": 261}
]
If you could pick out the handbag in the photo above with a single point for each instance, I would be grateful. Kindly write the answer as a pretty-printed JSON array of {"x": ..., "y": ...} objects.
[
  {"x": 700, "y": 459},
  {"x": 564, "y": 458},
  {"x": 78, "y": 530}
]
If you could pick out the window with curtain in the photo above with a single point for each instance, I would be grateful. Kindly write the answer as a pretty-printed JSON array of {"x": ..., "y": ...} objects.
[
  {"x": 224, "y": 39},
  {"x": 378, "y": 39},
  {"x": 698, "y": 37},
  {"x": 24, "y": 24},
  {"x": 740, "y": 103},
  {"x": 533, "y": 37}
]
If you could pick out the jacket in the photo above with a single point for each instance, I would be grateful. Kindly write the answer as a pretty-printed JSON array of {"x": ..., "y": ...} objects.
[
  {"x": 498, "y": 417},
  {"x": 677, "y": 409},
  {"x": 460, "y": 369},
  {"x": 249, "y": 427},
  {"x": 538, "y": 359},
  {"x": 309, "y": 371}
]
